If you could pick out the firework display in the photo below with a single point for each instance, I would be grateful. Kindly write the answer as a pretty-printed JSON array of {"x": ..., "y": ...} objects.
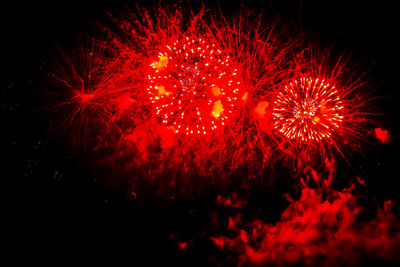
[
  {"x": 242, "y": 123},
  {"x": 204, "y": 99}
]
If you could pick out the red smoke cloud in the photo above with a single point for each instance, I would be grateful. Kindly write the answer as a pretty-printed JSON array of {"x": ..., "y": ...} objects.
[{"x": 321, "y": 228}]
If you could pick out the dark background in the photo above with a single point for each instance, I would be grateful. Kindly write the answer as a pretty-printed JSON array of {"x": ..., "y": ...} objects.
[{"x": 54, "y": 212}]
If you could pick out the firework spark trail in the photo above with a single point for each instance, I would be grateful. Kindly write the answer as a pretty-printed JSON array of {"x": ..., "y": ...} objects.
[{"x": 81, "y": 101}]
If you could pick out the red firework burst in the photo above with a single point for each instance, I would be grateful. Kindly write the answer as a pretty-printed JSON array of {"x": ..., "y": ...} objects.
[
  {"x": 193, "y": 86},
  {"x": 308, "y": 109}
]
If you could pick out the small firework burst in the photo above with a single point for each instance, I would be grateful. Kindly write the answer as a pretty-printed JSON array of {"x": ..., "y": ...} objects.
[
  {"x": 308, "y": 109},
  {"x": 193, "y": 86}
]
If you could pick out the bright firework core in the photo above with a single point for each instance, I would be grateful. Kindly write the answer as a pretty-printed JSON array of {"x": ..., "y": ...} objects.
[
  {"x": 193, "y": 87},
  {"x": 308, "y": 109}
]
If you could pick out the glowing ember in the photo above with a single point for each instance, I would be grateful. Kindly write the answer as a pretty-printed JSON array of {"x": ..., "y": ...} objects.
[
  {"x": 308, "y": 109},
  {"x": 193, "y": 86},
  {"x": 383, "y": 135}
]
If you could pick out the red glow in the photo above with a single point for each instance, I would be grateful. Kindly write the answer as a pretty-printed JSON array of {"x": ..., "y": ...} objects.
[
  {"x": 219, "y": 241},
  {"x": 85, "y": 98},
  {"x": 263, "y": 113},
  {"x": 182, "y": 245},
  {"x": 383, "y": 135}
]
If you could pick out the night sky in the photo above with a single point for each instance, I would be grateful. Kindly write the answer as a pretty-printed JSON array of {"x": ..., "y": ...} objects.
[{"x": 59, "y": 209}]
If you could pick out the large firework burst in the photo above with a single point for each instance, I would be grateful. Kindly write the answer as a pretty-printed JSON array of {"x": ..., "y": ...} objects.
[{"x": 193, "y": 87}]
